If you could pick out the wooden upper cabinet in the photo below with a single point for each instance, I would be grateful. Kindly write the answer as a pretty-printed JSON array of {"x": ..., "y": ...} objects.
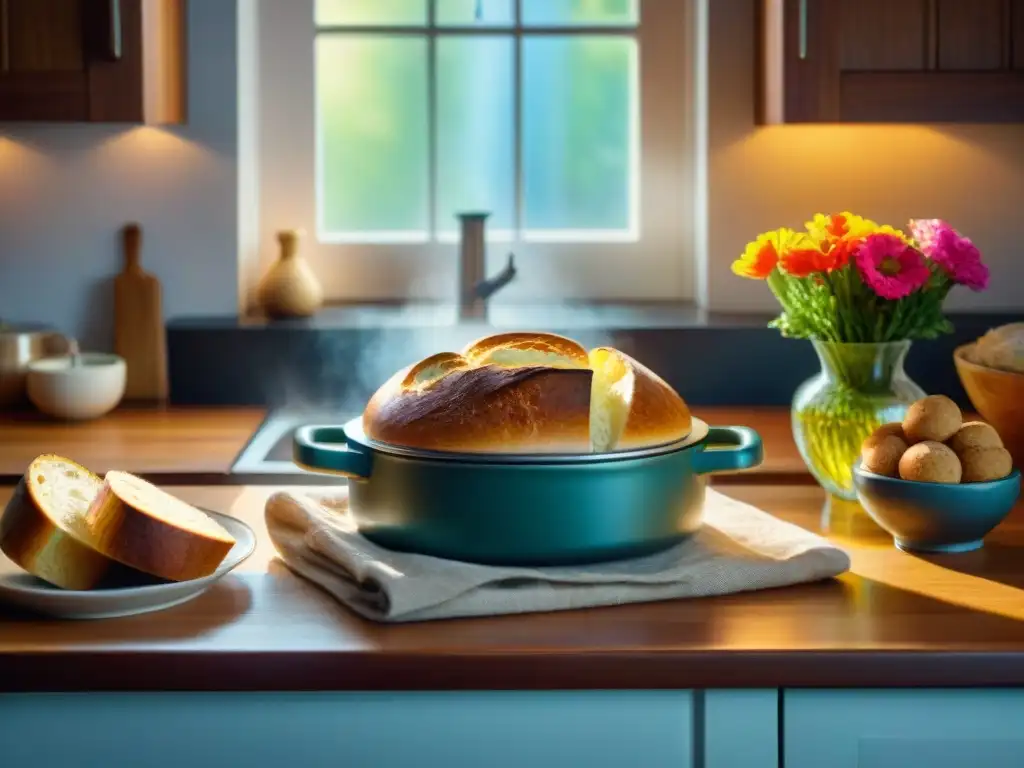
[
  {"x": 101, "y": 61},
  {"x": 895, "y": 61}
]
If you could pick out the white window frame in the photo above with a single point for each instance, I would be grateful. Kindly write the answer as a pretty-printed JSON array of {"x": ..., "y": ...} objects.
[{"x": 658, "y": 264}]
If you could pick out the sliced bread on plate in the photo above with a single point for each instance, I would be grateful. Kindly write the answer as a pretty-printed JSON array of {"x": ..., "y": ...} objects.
[
  {"x": 43, "y": 528},
  {"x": 136, "y": 523}
]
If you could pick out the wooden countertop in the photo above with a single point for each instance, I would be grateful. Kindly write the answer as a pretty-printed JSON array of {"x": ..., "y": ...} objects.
[
  {"x": 192, "y": 445},
  {"x": 152, "y": 442},
  {"x": 895, "y": 620}
]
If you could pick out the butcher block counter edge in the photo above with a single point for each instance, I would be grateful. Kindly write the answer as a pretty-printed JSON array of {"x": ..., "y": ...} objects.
[{"x": 365, "y": 670}]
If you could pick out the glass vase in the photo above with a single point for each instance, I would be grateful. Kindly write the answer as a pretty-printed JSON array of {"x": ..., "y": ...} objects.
[{"x": 859, "y": 388}]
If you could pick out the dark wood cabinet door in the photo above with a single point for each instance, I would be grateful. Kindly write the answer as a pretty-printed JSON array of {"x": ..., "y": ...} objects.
[
  {"x": 44, "y": 59},
  {"x": 89, "y": 60},
  {"x": 924, "y": 61}
]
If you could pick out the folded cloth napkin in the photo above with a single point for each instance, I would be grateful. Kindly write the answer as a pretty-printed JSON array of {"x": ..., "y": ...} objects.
[{"x": 739, "y": 548}]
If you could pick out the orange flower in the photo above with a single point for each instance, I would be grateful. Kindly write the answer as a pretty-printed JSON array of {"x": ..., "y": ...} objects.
[
  {"x": 805, "y": 261},
  {"x": 841, "y": 251},
  {"x": 762, "y": 255}
]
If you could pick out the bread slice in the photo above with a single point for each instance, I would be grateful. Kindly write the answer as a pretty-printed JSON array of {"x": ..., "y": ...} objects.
[
  {"x": 631, "y": 407},
  {"x": 43, "y": 530},
  {"x": 135, "y": 523}
]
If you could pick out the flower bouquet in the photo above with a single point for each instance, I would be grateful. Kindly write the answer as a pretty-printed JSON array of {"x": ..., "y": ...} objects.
[{"x": 861, "y": 292}]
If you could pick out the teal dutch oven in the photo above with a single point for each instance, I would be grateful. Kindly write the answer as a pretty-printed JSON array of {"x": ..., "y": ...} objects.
[{"x": 526, "y": 509}]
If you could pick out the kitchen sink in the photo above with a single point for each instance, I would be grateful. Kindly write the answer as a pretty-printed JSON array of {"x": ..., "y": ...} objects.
[{"x": 267, "y": 457}]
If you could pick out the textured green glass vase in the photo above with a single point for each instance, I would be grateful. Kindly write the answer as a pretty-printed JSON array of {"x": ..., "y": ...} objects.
[{"x": 860, "y": 387}]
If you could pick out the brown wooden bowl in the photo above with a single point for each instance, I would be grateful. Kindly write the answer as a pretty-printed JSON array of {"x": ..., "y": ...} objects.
[{"x": 999, "y": 397}]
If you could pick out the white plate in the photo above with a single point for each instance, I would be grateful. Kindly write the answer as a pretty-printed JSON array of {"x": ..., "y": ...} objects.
[{"x": 24, "y": 590}]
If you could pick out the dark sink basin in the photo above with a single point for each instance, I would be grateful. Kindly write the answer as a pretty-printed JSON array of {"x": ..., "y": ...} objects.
[{"x": 267, "y": 458}]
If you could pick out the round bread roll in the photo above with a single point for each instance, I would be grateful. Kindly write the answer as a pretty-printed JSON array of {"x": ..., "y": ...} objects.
[
  {"x": 974, "y": 434},
  {"x": 631, "y": 406},
  {"x": 882, "y": 454},
  {"x": 894, "y": 428},
  {"x": 930, "y": 462},
  {"x": 935, "y": 417},
  {"x": 982, "y": 464},
  {"x": 43, "y": 529},
  {"x": 523, "y": 348}
]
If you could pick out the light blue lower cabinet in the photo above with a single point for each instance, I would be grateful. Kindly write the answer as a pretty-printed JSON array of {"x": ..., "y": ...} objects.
[
  {"x": 499, "y": 729},
  {"x": 738, "y": 728},
  {"x": 932, "y": 728}
]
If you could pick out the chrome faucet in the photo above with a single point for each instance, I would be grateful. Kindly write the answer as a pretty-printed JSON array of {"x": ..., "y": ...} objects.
[{"x": 474, "y": 287}]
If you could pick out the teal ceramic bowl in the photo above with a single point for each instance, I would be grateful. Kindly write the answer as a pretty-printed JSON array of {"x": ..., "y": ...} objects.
[
  {"x": 934, "y": 517},
  {"x": 518, "y": 509}
]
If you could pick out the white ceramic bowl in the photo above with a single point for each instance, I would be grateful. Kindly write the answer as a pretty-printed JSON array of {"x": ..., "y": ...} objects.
[{"x": 85, "y": 391}]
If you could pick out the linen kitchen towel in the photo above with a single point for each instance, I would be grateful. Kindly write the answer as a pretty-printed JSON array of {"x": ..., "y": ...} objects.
[{"x": 739, "y": 548}]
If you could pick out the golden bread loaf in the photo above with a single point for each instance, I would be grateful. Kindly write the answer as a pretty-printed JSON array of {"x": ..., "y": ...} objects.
[
  {"x": 526, "y": 393},
  {"x": 43, "y": 528},
  {"x": 492, "y": 409},
  {"x": 134, "y": 522}
]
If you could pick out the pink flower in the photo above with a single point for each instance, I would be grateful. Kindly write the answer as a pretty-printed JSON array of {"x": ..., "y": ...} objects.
[
  {"x": 955, "y": 254},
  {"x": 926, "y": 232},
  {"x": 892, "y": 268}
]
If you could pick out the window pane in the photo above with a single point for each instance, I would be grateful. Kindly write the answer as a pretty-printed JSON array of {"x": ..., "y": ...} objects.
[
  {"x": 372, "y": 123},
  {"x": 390, "y": 12},
  {"x": 493, "y": 13},
  {"x": 557, "y": 13},
  {"x": 475, "y": 154},
  {"x": 579, "y": 127}
]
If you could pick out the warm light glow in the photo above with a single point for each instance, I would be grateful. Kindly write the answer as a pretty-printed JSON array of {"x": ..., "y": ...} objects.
[
  {"x": 885, "y": 172},
  {"x": 15, "y": 155},
  {"x": 946, "y": 585},
  {"x": 864, "y": 155},
  {"x": 23, "y": 171},
  {"x": 147, "y": 150}
]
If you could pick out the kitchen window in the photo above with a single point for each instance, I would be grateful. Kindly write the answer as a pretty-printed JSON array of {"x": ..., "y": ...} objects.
[{"x": 567, "y": 120}]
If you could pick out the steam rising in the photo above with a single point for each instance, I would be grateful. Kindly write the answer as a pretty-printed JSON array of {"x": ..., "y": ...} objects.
[{"x": 356, "y": 359}]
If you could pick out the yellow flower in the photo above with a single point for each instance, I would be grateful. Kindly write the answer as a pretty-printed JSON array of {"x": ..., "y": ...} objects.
[
  {"x": 847, "y": 228},
  {"x": 886, "y": 229},
  {"x": 762, "y": 255}
]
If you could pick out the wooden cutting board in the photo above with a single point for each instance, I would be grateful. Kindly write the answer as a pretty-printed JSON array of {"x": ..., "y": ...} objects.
[{"x": 139, "y": 334}]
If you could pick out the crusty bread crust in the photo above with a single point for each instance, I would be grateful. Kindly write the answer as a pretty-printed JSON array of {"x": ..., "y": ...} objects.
[
  {"x": 41, "y": 540},
  {"x": 523, "y": 348},
  {"x": 432, "y": 368},
  {"x": 492, "y": 409},
  {"x": 137, "y": 524}
]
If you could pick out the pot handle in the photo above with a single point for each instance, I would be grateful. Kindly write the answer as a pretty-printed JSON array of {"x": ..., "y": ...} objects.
[
  {"x": 325, "y": 449},
  {"x": 743, "y": 452}
]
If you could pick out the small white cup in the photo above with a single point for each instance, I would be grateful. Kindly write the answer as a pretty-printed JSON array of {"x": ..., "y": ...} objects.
[{"x": 86, "y": 390}]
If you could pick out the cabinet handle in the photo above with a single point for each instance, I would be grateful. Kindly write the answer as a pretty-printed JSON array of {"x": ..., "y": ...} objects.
[
  {"x": 803, "y": 29},
  {"x": 114, "y": 39}
]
